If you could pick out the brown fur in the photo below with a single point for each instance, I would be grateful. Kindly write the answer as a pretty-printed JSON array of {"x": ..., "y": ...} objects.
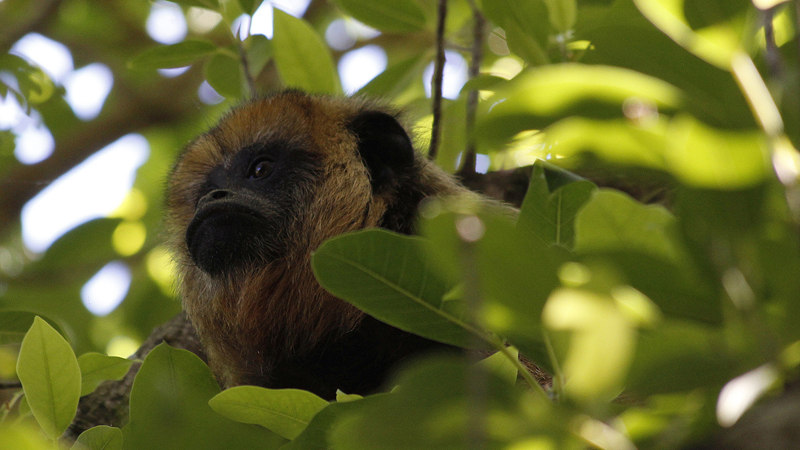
[{"x": 249, "y": 318}]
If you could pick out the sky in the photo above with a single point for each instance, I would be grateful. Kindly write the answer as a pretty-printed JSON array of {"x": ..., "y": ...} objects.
[{"x": 57, "y": 209}]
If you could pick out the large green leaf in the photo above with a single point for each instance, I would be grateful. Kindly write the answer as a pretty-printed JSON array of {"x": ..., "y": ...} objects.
[
  {"x": 385, "y": 275},
  {"x": 539, "y": 97},
  {"x": 14, "y": 324},
  {"x": 99, "y": 438},
  {"x": 550, "y": 216},
  {"x": 303, "y": 59},
  {"x": 395, "y": 79},
  {"x": 612, "y": 220},
  {"x": 175, "y": 55},
  {"x": 315, "y": 435},
  {"x": 96, "y": 368},
  {"x": 387, "y": 15},
  {"x": 169, "y": 406},
  {"x": 50, "y": 376},
  {"x": 285, "y": 411}
]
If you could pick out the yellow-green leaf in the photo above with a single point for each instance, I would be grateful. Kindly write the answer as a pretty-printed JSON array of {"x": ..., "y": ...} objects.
[
  {"x": 303, "y": 59},
  {"x": 50, "y": 376},
  {"x": 387, "y": 15}
]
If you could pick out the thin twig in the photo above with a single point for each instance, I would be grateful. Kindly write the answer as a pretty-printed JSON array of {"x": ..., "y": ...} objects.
[
  {"x": 469, "y": 160},
  {"x": 11, "y": 385},
  {"x": 438, "y": 75},
  {"x": 772, "y": 54}
]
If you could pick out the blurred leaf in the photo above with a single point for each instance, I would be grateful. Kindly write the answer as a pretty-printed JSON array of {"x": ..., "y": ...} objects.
[
  {"x": 716, "y": 41},
  {"x": 224, "y": 74},
  {"x": 615, "y": 140},
  {"x": 303, "y": 59},
  {"x": 284, "y": 411},
  {"x": 70, "y": 250},
  {"x": 562, "y": 13},
  {"x": 400, "y": 16},
  {"x": 208, "y": 4},
  {"x": 171, "y": 56},
  {"x": 612, "y": 220},
  {"x": 33, "y": 83},
  {"x": 259, "y": 52},
  {"x": 432, "y": 409},
  {"x": 315, "y": 435},
  {"x": 384, "y": 274},
  {"x": 96, "y": 368},
  {"x": 679, "y": 357},
  {"x": 101, "y": 437},
  {"x": 602, "y": 342},
  {"x": 703, "y": 156},
  {"x": 550, "y": 216},
  {"x": 538, "y": 97},
  {"x": 517, "y": 272},
  {"x": 23, "y": 437},
  {"x": 169, "y": 405},
  {"x": 501, "y": 366},
  {"x": 525, "y": 24},
  {"x": 14, "y": 325},
  {"x": 50, "y": 376}
]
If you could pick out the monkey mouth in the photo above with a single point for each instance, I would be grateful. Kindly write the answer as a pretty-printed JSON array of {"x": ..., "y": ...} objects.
[{"x": 223, "y": 237}]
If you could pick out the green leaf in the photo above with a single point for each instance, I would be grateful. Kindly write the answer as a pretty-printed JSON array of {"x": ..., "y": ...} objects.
[
  {"x": 171, "y": 56},
  {"x": 169, "y": 405},
  {"x": 550, "y": 216},
  {"x": 433, "y": 408},
  {"x": 101, "y": 437},
  {"x": 259, "y": 52},
  {"x": 302, "y": 58},
  {"x": 384, "y": 274},
  {"x": 208, "y": 4},
  {"x": 224, "y": 74},
  {"x": 500, "y": 365},
  {"x": 562, "y": 13},
  {"x": 538, "y": 97},
  {"x": 716, "y": 41},
  {"x": 612, "y": 220},
  {"x": 96, "y": 368},
  {"x": 400, "y": 16},
  {"x": 50, "y": 376},
  {"x": 526, "y": 26},
  {"x": 285, "y": 411},
  {"x": 396, "y": 78},
  {"x": 712, "y": 158},
  {"x": 315, "y": 435}
]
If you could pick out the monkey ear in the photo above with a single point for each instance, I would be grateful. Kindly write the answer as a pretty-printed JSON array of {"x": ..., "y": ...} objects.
[{"x": 384, "y": 146}]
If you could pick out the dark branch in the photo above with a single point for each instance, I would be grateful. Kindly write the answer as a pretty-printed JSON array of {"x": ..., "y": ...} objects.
[
  {"x": 438, "y": 75},
  {"x": 468, "y": 167}
]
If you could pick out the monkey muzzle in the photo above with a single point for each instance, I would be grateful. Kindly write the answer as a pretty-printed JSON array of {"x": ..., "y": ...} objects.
[{"x": 229, "y": 232}]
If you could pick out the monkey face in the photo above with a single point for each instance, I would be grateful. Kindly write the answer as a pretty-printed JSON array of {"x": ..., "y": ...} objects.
[{"x": 280, "y": 175}]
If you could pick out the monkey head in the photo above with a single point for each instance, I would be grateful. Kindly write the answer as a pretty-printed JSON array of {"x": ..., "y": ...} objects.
[{"x": 251, "y": 199}]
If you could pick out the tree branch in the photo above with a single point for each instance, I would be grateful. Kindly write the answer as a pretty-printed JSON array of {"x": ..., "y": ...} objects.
[
  {"x": 438, "y": 75},
  {"x": 469, "y": 160}
]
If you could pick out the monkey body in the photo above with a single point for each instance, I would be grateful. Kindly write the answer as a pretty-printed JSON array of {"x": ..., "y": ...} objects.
[{"x": 247, "y": 204}]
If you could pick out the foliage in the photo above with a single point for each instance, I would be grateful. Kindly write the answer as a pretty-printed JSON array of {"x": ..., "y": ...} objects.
[{"x": 610, "y": 296}]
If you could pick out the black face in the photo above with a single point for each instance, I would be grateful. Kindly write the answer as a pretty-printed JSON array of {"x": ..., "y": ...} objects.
[{"x": 245, "y": 209}]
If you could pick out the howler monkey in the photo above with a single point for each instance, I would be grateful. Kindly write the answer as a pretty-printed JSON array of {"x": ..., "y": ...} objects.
[{"x": 247, "y": 204}]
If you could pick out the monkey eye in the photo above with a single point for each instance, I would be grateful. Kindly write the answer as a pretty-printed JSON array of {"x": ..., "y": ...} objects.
[{"x": 260, "y": 169}]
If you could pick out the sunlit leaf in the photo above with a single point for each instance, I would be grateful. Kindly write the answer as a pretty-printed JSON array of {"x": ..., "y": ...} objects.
[
  {"x": 96, "y": 368},
  {"x": 539, "y": 97},
  {"x": 303, "y": 59},
  {"x": 285, "y": 411},
  {"x": 396, "y": 78},
  {"x": 602, "y": 342},
  {"x": 385, "y": 275},
  {"x": 711, "y": 158},
  {"x": 50, "y": 376},
  {"x": 175, "y": 55},
  {"x": 562, "y": 13},
  {"x": 99, "y": 438},
  {"x": 169, "y": 405},
  {"x": 387, "y": 15}
]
